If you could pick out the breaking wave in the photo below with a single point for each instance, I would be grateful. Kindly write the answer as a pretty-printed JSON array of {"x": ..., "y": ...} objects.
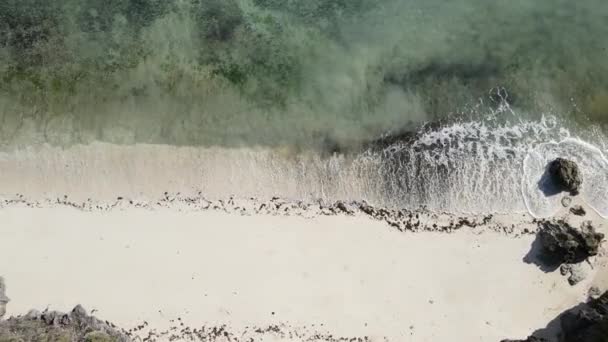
[
  {"x": 449, "y": 106},
  {"x": 465, "y": 167}
]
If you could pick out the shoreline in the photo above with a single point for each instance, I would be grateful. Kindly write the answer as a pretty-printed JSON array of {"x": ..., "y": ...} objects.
[
  {"x": 104, "y": 171},
  {"x": 403, "y": 220}
]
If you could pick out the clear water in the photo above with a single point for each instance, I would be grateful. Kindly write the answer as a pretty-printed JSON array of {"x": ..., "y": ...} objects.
[{"x": 482, "y": 83}]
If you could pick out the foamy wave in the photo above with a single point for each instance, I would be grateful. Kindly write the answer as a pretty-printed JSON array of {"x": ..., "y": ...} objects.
[
  {"x": 543, "y": 202},
  {"x": 463, "y": 167}
]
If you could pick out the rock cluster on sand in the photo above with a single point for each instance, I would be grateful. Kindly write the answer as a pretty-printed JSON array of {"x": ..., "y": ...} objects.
[
  {"x": 563, "y": 243},
  {"x": 3, "y": 298},
  {"x": 57, "y": 326},
  {"x": 566, "y": 247},
  {"x": 567, "y": 175}
]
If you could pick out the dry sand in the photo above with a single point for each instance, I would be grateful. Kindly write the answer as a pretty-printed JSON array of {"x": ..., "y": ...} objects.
[{"x": 348, "y": 276}]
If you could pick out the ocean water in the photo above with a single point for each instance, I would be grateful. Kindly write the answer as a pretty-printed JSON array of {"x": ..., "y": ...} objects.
[{"x": 452, "y": 106}]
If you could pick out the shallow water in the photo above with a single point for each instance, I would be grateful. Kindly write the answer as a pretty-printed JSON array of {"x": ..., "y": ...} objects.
[{"x": 303, "y": 87}]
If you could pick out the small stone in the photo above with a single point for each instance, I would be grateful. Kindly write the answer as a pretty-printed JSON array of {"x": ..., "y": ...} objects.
[
  {"x": 343, "y": 207},
  {"x": 577, "y": 274},
  {"x": 594, "y": 292},
  {"x": 578, "y": 210},
  {"x": 566, "y": 201},
  {"x": 79, "y": 312}
]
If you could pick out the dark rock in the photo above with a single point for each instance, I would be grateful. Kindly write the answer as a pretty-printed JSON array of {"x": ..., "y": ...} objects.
[
  {"x": 578, "y": 210},
  {"x": 79, "y": 313},
  {"x": 529, "y": 339},
  {"x": 567, "y": 175},
  {"x": 343, "y": 207},
  {"x": 563, "y": 243},
  {"x": 57, "y": 326},
  {"x": 587, "y": 324},
  {"x": 3, "y": 298},
  {"x": 367, "y": 209},
  {"x": 52, "y": 317},
  {"x": 575, "y": 272}
]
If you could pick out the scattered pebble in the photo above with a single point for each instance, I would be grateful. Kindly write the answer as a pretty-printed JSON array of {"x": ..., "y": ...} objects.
[
  {"x": 402, "y": 220},
  {"x": 578, "y": 210}
]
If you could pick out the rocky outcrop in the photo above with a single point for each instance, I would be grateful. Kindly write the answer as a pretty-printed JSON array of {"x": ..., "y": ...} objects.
[
  {"x": 3, "y": 298},
  {"x": 567, "y": 175},
  {"x": 587, "y": 324},
  {"x": 57, "y": 326},
  {"x": 563, "y": 244}
]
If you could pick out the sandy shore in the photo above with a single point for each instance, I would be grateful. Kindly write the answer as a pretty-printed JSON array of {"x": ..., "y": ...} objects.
[{"x": 347, "y": 276}]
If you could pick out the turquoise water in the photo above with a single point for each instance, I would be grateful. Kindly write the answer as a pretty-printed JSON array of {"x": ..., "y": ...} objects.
[
  {"x": 462, "y": 93},
  {"x": 305, "y": 73}
]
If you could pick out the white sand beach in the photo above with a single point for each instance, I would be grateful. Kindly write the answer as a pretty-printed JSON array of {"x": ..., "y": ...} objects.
[{"x": 347, "y": 276}]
